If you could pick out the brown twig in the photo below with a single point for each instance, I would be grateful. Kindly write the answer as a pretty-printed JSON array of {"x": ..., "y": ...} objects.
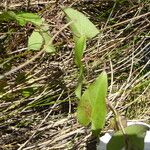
[{"x": 37, "y": 55}]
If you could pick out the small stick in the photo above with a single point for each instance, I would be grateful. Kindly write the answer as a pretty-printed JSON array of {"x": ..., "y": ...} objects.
[
  {"x": 119, "y": 123},
  {"x": 37, "y": 55}
]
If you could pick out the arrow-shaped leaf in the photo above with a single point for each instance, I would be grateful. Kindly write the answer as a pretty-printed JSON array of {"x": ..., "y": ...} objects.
[
  {"x": 81, "y": 24},
  {"x": 92, "y": 106}
]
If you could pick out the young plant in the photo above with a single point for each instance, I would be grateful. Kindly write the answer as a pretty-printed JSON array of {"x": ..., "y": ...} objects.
[
  {"x": 40, "y": 37},
  {"x": 82, "y": 29},
  {"x": 92, "y": 104}
]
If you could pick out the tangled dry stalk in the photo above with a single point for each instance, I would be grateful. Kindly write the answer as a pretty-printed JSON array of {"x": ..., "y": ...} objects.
[{"x": 37, "y": 101}]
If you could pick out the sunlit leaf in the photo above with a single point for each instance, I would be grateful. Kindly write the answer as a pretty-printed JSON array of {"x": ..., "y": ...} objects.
[
  {"x": 84, "y": 109},
  {"x": 135, "y": 138},
  {"x": 23, "y": 18},
  {"x": 48, "y": 47},
  {"x": 92, "y": 106},
  {"x": 81, "y": 24},
  {"x": 39, "y": 39},
  {"x": 80, "y": 46},
  {"x": 35, "y": 41},
  {"x": 98, "y": 92}
]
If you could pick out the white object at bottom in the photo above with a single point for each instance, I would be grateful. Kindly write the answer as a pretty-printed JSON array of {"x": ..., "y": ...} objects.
[{"x": 102, "y": 145}]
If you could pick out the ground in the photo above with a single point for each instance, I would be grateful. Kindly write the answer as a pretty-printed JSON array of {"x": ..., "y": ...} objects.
[{"x": 38, "y": 103}]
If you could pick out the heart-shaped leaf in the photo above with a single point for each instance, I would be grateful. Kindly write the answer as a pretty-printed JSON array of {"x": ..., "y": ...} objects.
[
  {"x": 81, "y": 24},
  {"x": 135, "y": 138},
  {"x": 92, "y": 106},
  {"x": 39, "y": 39},
  {"x": 98, "y": 92}
]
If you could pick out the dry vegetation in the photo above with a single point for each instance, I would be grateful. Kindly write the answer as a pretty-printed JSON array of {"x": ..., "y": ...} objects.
[{"x": 37, "y": 102}]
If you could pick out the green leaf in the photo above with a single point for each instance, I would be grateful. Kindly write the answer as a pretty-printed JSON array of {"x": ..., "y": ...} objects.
[
  {"x": 48, "y": 46},
  {"x": 7, "y": 16},
  {"x": 35, "y": 41},
  {"x": 78, "y": 90},
  {"x": 84, "y": 109},
  {"x": 80, "y": 46},
  {"x": 98, "y": 92},
  {"x": 135, "y": 137},
  {"x": 81, "y": 24},
  {"x": 92, "y": 106},
  {"x": 23, "y": 18},
  {"x": 39, "y": 39}
]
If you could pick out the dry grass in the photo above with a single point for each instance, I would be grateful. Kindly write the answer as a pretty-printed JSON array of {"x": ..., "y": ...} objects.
[{"x": 37, "y": 103}]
